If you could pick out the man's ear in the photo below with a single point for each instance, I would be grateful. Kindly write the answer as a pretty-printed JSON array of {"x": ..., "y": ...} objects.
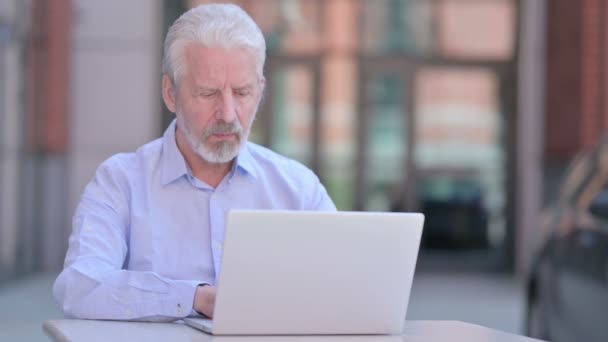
[
  {"x": 169, "y": 91},
  {"x": 262, "y": 90}
]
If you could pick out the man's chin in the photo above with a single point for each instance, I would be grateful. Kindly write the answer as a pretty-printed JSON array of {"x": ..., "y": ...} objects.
[{"x": 220, "y": 154}]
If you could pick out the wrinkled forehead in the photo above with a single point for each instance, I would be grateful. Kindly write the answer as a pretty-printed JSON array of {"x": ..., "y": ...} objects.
[
  {"x": 218, "y": 64},
  {"x": 211, "y": 63},
  {"x": 200, "y": 60}
]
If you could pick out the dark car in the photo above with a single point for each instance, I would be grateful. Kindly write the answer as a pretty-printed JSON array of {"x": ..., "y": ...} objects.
[
  {"x": 453, "y": 204},
  {"x": 567, "y": 288}
]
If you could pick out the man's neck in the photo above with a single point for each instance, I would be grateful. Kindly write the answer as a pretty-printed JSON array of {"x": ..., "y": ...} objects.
[{"x": 210, "y": 173}]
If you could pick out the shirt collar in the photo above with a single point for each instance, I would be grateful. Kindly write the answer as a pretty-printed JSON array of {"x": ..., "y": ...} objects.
[
  {"x": 173, "y": 162},
  {"x": 174, "y": 165},
  {"x": 246, "y": 162}
]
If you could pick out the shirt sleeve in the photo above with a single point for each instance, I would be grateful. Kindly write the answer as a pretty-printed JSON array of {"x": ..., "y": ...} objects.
[
  {"x": 94, "y": 283},
  {"x": 319, "y": 198}
]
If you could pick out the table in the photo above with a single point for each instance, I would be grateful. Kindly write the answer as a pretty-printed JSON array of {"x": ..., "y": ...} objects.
[{"x": 92, "y": 331}]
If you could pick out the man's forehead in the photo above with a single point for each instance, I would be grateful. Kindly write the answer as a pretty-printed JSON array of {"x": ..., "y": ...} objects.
[
  {"x": 219, "y": 80},
  {"x": 196, "y": 50},
  {"x": 217, "y": 61},
  {"x": 209, "y": 85}
]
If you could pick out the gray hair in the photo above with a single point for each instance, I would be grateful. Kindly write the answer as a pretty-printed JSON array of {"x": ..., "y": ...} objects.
[{"x": 212, "y": 25}]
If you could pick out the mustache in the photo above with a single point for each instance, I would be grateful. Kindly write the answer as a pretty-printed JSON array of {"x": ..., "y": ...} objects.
[
  {"x": 226, "y": 127},
  {"x": 223, "y": 128}
]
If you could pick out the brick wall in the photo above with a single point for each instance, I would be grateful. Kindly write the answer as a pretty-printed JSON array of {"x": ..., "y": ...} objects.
[
  {"x": 591, "y": 67},
  {"x": 47, "y": 87},
  {"x": 577, "y": 77},
  {"x": 563, "y": 79}
]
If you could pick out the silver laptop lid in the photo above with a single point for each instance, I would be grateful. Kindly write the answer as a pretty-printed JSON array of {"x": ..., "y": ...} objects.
[{"x": 297, "y": 272}]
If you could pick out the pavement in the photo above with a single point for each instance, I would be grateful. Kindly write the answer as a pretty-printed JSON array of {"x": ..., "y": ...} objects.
[
  {"x": 493, "y": 300},
  {"x": 24, "y": 304}
]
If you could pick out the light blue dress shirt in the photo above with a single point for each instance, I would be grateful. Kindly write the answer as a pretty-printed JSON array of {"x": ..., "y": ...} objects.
[{"x": 146, "y": 232}]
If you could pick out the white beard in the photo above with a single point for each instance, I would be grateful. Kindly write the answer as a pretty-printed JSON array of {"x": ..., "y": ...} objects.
[{"x": 217, "y": 153}]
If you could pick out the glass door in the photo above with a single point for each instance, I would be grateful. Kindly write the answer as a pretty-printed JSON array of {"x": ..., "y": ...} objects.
[
  {"x": 289, "y": 121},
  {"x": 385, "y": 172},
  {"x": 461, "y": 155},
  {"x": 432, "y": 138}
]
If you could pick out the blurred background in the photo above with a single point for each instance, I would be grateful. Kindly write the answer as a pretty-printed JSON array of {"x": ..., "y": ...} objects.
[{"x": 469, "y": 111}]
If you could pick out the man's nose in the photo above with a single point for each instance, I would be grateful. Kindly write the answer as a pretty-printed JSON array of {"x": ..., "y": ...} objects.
[{"x": 227, "y": 110}]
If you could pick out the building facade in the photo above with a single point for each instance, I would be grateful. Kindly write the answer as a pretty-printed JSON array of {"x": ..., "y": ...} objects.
[{"x": 398, "y": 105}]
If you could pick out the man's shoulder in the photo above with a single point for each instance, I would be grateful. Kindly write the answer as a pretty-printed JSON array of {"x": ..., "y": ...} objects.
[
  {"x": 268, "y": 159},
  {"x": 297, "y": 186},
  {"x": 132, "y": 161}
]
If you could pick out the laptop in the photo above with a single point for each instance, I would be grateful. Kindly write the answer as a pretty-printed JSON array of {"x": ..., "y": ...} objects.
[{"x": 314, "y": 273}]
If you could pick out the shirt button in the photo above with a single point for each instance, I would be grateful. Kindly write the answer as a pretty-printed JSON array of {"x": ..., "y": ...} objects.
[{"x": 179, "y": 309}]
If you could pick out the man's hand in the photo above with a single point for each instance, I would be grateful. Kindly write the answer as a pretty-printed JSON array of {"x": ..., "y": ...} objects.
[{"x": 204, "y": 300}]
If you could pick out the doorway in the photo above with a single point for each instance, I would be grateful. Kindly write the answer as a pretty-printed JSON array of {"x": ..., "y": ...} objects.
[
  {"x": 289, "y": 117},
  {"x": 432, "y": 137}
]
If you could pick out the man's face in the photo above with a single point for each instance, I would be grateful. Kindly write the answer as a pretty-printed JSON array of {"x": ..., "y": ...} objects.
[{"x": 216, "y": 100}]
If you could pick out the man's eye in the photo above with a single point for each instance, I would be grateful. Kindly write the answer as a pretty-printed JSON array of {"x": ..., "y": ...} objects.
[{"x": 207, "y": 94}]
